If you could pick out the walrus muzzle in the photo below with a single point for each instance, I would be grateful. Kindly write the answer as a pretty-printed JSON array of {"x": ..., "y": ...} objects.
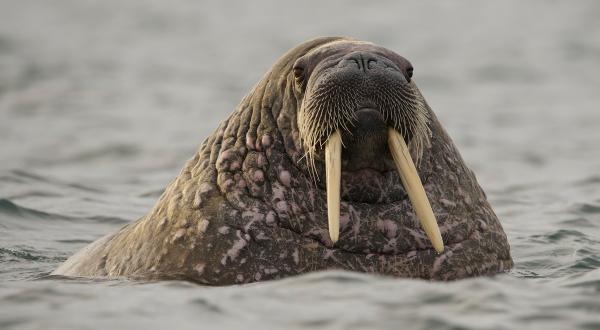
[{"x": 335, "y": 93}]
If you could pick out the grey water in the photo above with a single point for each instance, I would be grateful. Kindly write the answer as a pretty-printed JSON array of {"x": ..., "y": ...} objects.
[{"x": 102, "y": 102}]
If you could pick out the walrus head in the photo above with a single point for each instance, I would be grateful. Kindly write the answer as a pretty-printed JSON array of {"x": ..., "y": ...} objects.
[
  {"x": 361, "y": 96},
  {"x": 333, "y": 160}
]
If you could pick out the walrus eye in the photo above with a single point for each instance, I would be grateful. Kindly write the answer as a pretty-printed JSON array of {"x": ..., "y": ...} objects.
[
  {"x": 409, "y": 72},
  {"x": 298, "y": 74}
]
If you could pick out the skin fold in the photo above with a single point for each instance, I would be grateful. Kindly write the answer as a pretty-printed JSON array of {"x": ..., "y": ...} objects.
[{"x": 251, "y": 204}]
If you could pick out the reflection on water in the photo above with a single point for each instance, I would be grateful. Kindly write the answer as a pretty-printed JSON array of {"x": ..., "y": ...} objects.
[{"x": 101, "y": 103}]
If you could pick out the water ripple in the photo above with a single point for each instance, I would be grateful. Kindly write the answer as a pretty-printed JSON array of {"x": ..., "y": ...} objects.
[{"x": 9, "y": 208}]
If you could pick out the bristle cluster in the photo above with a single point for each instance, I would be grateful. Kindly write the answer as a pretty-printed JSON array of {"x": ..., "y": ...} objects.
[{"x": 333, "y": 106}]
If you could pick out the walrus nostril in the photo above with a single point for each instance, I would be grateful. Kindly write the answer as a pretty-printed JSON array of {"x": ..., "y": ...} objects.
[
  {"x": 363, "y": 61},
  {"x": 370, "y": 63}
]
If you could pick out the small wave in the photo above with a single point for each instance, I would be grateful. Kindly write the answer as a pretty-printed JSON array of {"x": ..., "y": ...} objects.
[
  {"x": 590, "y": 262},
  {"x": 208, "y": 305},
  {"x": 589, "y": 208},
  {"x": 110, "y": 151},
  {"x": 11, "y": 209},
  {"x": 330, "y": 276},
  {"x": 589, "y": 280},
  {"x": 579, "y": 222},
  {"x": 564, "y": 233},
  {"x": 29, "y": 175},
  {"x": 591, "y": 284},
  {"x": 79, "y": 186},
  {"x": 106, "y": 219},
  {"x": 593, "y": 180},
  {"x": 74, "y": 241},
  {"x": 35, "y": 193},
  {"x": 153, "y": 193},
  {"x": 21, "y": 176},
  {"x": 19, "y": 254}
]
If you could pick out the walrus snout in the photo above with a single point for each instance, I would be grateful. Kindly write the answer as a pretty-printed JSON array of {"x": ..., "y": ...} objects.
[{"x": 335, "y": 82}]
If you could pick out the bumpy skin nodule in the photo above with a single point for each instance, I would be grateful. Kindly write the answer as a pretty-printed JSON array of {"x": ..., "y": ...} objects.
[{"x": 246, "y": 209}]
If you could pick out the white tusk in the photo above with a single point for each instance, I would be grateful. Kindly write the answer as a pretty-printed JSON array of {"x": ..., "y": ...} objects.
[
  {"x": 333, "y": 172},
  {"x": 414, "y": 188}
]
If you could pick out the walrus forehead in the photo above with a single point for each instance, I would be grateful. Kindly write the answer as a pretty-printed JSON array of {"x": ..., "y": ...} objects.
[
  {"x": 340, "y": 45},
  {"x": 338, "y": 48}
]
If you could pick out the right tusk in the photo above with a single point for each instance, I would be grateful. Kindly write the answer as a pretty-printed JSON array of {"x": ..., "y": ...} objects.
[
  {"x": 414, "y": 188},
  {"x": 333, "y": 172}
]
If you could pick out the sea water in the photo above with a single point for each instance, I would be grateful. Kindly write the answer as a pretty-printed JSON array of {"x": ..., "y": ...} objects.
[{"x": 102, "y": 102}]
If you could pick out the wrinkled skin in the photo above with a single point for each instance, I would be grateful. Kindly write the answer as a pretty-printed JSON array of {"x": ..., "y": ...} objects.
[{"x": 245, "y": 208}]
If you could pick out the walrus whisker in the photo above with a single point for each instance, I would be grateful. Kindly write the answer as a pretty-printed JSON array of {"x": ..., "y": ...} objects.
[{"x": 318, "y": 117}]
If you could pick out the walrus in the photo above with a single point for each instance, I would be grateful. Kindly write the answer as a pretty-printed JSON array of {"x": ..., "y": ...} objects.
[{"x": 334, "y": 160}]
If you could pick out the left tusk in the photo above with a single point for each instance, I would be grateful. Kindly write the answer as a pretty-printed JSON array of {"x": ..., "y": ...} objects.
[
  {"x": 333, "y": 173},
  {"x": 414, "y": 188}
]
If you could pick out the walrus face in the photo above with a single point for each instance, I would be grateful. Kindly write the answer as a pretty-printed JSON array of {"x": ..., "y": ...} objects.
[
  {"x": 360, "y": 89},
  {"x": 358, "y": 110}
]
